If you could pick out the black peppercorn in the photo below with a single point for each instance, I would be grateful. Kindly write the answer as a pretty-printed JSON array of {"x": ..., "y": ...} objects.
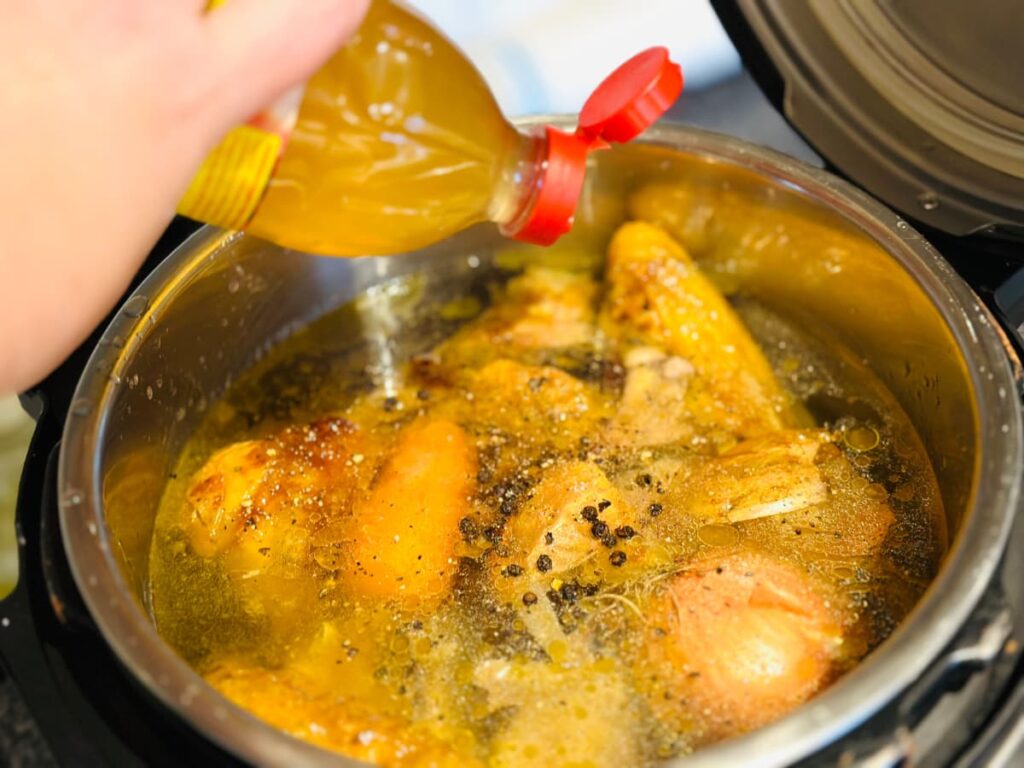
[
  {"x": 603, "y": 505},
  {"x": 654, "y": 509},
  {"x": 544, "y": 563},
  {"x": 512, "y": 570},
  {"x": 617, "y": 558},
  {"x": 589, "y": 513},
  {"x": 599, "y": 529},
  {"x": 529, "y": 598},
  {"x": 625, "y": 532},
  {"x": 468, "y": 529}
]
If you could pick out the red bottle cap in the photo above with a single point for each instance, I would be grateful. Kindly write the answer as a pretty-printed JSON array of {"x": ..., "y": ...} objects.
[{"x": 622, "y": 107}]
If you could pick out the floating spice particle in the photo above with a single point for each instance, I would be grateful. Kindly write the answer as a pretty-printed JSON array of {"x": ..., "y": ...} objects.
[
  {"x": 529, "y": 598},
  {"x": 544, "y": 564},
  {"x": 644, "y": 480},
  {"x": 485, "y": 475},
  {"x": 507, "y": 507},
  {"x": 625, "y": 532},
  {"x": 603, "y": 505},
  {"x": 512, "y": 570},
  {"x": 569, "y": 593},
  {"x": 609, "y": 540},
  {"x": 549, "y": 538},
  {"x": 589, "y": 513},
  {"x": 655, "y": 509},
  {"x": 492, "y": 534},
  {"x": 423, "y": 394},
  {"x": 390, "y": 404},
  {"x": 599, "y": 530},
  {"x": 468, "y": 529},
  {"x": 535, "y": 384},
  {"x": 617, "y": 558}
]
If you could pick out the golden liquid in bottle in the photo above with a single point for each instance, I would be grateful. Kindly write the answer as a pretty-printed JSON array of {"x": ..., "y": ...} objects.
[{"x": 399, "y": 143}]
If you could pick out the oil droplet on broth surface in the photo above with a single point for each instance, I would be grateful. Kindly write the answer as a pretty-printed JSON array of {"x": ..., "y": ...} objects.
[
  {"x": 718, "y": 535},
  {"x": 861, "y": 438}
]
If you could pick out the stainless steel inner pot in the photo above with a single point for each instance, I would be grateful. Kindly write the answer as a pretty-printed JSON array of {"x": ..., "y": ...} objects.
[{"x": 220, "y": 300}]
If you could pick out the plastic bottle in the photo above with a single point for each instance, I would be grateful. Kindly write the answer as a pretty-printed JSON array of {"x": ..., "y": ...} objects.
[{"x": 397, "y": 143}]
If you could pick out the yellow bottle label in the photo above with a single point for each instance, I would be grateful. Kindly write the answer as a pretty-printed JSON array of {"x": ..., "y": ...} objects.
[{"x": 231, "y": 181}]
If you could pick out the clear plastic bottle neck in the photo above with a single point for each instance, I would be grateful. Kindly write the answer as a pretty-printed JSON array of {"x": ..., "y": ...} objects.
[{"x": 518, "y": 180}]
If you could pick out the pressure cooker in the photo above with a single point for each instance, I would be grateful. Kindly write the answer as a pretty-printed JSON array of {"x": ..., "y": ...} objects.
[{"x": 925, "y": 146}]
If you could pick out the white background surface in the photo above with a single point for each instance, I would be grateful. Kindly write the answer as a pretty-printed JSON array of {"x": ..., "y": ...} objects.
[{"x": 547, "y": 55}]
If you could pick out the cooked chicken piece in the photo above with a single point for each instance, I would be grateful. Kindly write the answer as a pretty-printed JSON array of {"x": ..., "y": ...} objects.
[
  {"x": 735, "y": 642},
  {"x": 535, "y": 404},
  {"x": 400, "y": 541},
  {"x": 658, "y": 295},
  {"x": 542, "y": 309},
  {"x": 853, "y": 522},
  {"x": 568, "y": 527},
  {"x": 253, "y": 505},
  {"x": 221, "y": 496},
  {"x": 790, "y": 485},
  {"x": 286, "y": 700},
  {"x": 249, "y": 495},
  {"x": 652, "y": 409},
  {"x": 761, "y": 477}
]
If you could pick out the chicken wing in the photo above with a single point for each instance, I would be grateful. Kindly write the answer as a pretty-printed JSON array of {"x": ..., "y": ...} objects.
[
  {"x": 658, "y": 296},
  {"x": 537, "y": 312},
  {"x": 793, "y": 489},
  {"x": 253, "y": 506},
  {"x": 400, "y": 541}
]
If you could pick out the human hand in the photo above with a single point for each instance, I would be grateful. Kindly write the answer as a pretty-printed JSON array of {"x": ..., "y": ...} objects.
[{"x": 107, "y": 108}]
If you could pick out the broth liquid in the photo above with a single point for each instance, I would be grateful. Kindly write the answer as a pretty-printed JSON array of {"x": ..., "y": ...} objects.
[{"x": 429, "y": 670}]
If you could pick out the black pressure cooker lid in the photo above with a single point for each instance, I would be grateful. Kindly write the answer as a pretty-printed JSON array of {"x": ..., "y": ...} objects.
[{"x": 920, "y": 102}]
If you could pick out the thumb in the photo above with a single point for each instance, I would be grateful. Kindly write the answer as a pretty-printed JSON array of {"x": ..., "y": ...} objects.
[{"x": 261, "y": 48}]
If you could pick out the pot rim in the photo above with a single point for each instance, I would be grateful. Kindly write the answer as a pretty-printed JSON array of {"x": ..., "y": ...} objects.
[{"x": 919, "y": 640}]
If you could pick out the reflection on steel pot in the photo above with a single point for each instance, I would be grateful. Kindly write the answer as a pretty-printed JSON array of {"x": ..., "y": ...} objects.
[{"x": 794, "y": 237}]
